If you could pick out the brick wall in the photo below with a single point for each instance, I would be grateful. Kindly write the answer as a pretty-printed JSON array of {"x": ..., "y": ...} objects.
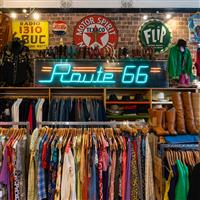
[{"x": 127, "y": 25}]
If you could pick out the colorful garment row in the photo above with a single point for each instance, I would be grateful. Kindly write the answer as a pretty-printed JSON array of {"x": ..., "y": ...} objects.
[
  {"x": 24, "y": 110},
  {"x": 70, "y": 109},
  {"x": 76, "y": 109},
  {"x": 89, "y": 164},
  {"x": 14, "y": 162}
]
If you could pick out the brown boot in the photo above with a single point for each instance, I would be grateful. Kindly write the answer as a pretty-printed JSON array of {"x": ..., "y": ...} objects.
[
  {"x": 171, "y": 118},
  {"x": 156, "y": 116},
  {"x": 196, "y": 109},
  {"x": 180, "y": 121},
  {"x": 188, "y": 111}
]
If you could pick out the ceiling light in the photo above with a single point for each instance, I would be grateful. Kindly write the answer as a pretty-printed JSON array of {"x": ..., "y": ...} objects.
[
  {"x": 24, "y": 11},
  {"x": 13, "y": 15},
  {"x": 168, "y": 16},
  {"x": 36, "y": 16},
  {"x": 145, "y": 17}
]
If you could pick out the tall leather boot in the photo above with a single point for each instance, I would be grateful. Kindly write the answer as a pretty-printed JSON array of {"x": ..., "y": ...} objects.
[
  {"x": 188, "y": 112},
  {"x": 196, "y": 109},
  {"x": 171, "y": 118},
  {"x": 180, "y": 121},
  {"x": 156, "y": 116}
]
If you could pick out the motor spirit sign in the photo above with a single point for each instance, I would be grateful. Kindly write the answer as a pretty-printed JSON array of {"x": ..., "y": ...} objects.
[
  {"x": 155, "y": 34},
  {"x": 79, "y": 73},
  {"x": 34, "y": 33},
  {"x": 96, "y": 30}
]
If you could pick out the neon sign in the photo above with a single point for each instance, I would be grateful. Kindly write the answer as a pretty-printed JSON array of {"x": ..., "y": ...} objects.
[{"x": 98, "y": 74}]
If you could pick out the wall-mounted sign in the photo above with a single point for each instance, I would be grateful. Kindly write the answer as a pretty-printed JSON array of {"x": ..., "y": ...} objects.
[
  {"x": 155, "y": 34},
  {"x": 59, "y": 28},
  {"x": 194, "y": 28},
  {"x": 96, "y": 30},
  {"x": 122, "y": 74},
  {"x": 34, "y": 33}
]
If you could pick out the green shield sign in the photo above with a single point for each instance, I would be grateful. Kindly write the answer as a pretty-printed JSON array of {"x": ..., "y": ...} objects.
[{"x": 155, "y": 34}]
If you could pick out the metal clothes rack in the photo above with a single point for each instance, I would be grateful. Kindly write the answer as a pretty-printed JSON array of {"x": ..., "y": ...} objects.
[
  {"x": 26, "y": 124},
  {"x": 194, "y": 146},
  {"x": 91, "y": 123}
]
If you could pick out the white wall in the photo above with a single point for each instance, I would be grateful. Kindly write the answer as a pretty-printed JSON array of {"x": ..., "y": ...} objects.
[{"x": 102, "y": 3}]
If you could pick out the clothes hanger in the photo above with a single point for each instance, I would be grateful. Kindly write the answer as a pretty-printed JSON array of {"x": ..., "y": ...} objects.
[{"x": 169, "y": 160}]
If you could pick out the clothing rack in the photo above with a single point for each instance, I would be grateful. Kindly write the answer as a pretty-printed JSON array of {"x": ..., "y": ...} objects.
[
  {"x": 179, "y": 147},
  {"x": 26, "y": 124},
  {"x": 92, "y": 123}
]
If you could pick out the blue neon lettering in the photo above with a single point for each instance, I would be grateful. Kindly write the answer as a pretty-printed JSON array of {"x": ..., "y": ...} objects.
[
  {"x": 141, "y": 78},
  {"x": 88, "y": 81},
  {"x": 58, "y": 70},
  {"x": 64, "y": 71},
  {"x": 108, "y": 76},
  {"x": 73, "y": 78},
  {"x": 128, "y": 78},
  {"x": 99, "y": 72}
]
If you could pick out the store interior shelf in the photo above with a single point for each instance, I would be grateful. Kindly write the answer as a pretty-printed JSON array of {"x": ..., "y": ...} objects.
[
  {"x": 162, "y": 102},
  {"x": 126, "y": 102},
  {"x": 127, "y": 117}
]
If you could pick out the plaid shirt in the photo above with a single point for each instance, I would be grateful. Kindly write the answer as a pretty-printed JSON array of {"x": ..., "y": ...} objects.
[{"x": 41, "y": 175}]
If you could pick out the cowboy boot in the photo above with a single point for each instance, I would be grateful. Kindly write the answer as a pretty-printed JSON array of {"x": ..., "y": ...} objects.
[
  {"x": 171, "y": 118},
  {"x": 180, "y": 121},
  {"x": 188, "y": 111},
  {"x": 156, "y": 116},
  {"x": 159, "y": 129},
  {"x": 196, "y": 109}
]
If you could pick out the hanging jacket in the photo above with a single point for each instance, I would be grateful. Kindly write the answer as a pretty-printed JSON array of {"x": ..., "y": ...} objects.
[
  {"x": 175, "y": 66},
  {"x": 15, "y": 68}
]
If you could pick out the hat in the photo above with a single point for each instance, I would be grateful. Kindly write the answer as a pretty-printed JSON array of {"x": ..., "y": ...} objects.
[
  {"x": 139, "y": 97},
  {"x": 160, "y": 96},
  {"x": 126, "y": 98},
  {"x": 113, "y": 97}
]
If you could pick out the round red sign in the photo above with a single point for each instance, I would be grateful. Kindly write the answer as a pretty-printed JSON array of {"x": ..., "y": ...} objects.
[
  {"x": 96, "y": 30},
  {"x": 59, "y": 28}
]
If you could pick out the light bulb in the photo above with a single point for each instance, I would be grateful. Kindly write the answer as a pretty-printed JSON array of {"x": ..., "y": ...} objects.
[
  {"x": 24, "y": 11},
  {"x": 36, "y": 16},
  {"x": 168, "y": 16},
  {"x": 13, "y": 15},
  {"x": 145, "y": 17}
]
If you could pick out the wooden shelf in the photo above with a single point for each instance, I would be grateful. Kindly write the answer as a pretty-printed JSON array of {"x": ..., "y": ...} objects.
[
  {"x": 127, "y": 102},
  {"x": 162, "y": 102},
  {"x": 128, "y": 117}
]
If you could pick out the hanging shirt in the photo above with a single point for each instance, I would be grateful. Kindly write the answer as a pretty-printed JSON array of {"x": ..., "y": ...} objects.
[
  {"x": 149, "y": 181},
  {"x": 39, "y": 113},
  {"x": 124, "y": 160},
  {"x": 32, "y": 167},
  {"x": 68, "y": 185},
  {"x": 4, "y": 175},
  {"x": 15, "y": 111}
]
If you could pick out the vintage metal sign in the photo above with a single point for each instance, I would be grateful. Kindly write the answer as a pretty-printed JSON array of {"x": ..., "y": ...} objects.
[
  {"x": 34, "y": 33},
  {"x": 59, "y": 28},
  {"x": 155, "y": 34},
  {"x": 96, "y": 30},
  {"x": 122, "y": 74}
]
